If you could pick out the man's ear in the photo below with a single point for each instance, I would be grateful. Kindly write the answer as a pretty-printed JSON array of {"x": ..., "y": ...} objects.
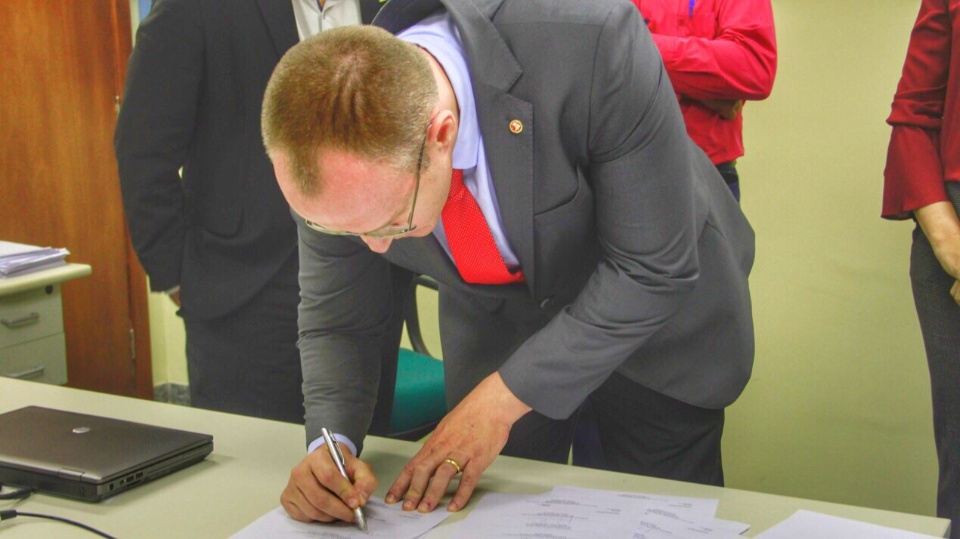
[{"x": 443, "y": 130}]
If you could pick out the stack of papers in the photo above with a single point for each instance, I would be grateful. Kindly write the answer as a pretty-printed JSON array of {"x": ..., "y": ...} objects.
[
  {"x": 572, "y": 513},
  {"x": 18, "y": 259}
]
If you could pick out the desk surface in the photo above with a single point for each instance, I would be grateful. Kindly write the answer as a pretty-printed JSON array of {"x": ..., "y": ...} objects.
[
  {"x": 243, "y": 477},
  {"x": 29, "y": 281}
]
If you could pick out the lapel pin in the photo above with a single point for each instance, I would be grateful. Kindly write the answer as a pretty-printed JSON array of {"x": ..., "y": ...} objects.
[{"x": 516, "y": 127}]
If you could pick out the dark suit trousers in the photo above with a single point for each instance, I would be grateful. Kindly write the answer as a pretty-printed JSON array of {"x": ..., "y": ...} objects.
[
  {"x": 640, "y": 431},
  {"x": 247, "y": 362},
  {"x": 939, "y": 318}
]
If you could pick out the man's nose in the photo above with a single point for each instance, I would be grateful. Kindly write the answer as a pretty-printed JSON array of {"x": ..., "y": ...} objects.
[{"x": 377, "y": 245}]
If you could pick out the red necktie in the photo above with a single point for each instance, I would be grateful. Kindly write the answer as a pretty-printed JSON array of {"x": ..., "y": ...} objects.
[{"x": 474, "y": 252}]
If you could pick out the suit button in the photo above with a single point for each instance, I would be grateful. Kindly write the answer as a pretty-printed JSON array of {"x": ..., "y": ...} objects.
[{"x": 546, "y": 303}]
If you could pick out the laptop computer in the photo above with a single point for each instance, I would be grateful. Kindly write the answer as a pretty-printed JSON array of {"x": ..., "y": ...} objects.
[{"x": 89, "y": 457}]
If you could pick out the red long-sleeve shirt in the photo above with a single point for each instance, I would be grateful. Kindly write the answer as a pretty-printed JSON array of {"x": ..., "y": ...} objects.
[
  {"x": 922, "y": 154},
  {"x": 714, "y": 49}
]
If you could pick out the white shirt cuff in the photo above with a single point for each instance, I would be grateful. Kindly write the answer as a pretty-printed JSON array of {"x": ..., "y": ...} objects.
[{"x": 320, "y": 442}]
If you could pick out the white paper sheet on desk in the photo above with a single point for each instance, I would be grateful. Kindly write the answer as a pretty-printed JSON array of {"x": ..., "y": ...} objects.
[
  {"x": 665, "y": 516},
  {"x": 694, "y": 507},
  {"x": 382, "y": 521},
  {"x": 524, "y": 516},
  {"x": 574, "y": 513},
  {"x": 806, "y": 524}
]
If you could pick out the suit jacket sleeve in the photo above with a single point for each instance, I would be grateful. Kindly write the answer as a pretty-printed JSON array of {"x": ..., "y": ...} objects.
[
  {"x": 643, "y": 169},
  {"x": 345, "y": 308},
  {"x": 154, "y": 130}
]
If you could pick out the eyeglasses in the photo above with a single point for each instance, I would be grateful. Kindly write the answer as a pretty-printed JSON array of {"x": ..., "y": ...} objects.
[{"x": 389, "y": 231}]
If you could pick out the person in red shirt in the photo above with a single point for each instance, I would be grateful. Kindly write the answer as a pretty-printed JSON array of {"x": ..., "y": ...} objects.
[
  {"x": 718, "y": 53},
  {"x": 922, "y": 182}
]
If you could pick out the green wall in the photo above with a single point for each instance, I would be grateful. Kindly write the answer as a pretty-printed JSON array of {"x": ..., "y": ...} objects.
[{"x": 839, "y": 405}]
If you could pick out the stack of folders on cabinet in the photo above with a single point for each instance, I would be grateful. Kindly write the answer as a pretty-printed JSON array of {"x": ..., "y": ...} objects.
[{"x": 17, "y": 258}]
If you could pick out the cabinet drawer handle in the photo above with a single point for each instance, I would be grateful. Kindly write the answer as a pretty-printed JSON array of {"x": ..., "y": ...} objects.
[
  {"x": 22, "y": 321},
  {"x": 29, "y": 373}
]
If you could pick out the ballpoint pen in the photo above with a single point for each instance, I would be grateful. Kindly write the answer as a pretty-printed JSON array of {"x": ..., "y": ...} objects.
[{"x": 337, "y": 457}]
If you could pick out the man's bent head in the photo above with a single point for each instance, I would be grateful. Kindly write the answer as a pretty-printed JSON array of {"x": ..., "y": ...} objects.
[{"x": 355, "y": 89}]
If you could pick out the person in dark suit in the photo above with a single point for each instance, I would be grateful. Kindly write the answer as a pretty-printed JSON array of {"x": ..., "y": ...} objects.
[
  {"x": 584, "y": 246},
  {"x": 221, "y": 240}
]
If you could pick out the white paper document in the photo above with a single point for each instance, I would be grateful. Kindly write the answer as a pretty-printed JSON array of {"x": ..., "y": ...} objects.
[
  {"x": 807, "y": 524},
  {"x": 574, "y": 513},
  {"x": 382, "y": 521},
  {"x": 522, "y": 516}
]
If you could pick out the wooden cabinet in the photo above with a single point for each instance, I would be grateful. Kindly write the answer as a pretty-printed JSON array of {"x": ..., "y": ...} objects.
[
  {"x": 32, "y": 343},
  {"x": 61, "y": 77}
]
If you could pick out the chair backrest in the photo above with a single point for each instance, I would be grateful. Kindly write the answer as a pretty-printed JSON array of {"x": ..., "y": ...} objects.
[{"x": 419, "y": 401}]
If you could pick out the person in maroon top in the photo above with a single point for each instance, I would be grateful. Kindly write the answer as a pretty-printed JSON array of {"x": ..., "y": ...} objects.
[
  {"x": 922, "y": 182},
  {"x": 718, "y": 54}
]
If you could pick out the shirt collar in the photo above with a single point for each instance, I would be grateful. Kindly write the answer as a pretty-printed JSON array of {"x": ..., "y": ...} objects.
[{"x": 439, "y": 36}]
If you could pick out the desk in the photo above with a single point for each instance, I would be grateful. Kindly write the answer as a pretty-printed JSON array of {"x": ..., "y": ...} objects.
[
  {"x": 243, "y": 477},
  {"x": 32, "y": 343}
]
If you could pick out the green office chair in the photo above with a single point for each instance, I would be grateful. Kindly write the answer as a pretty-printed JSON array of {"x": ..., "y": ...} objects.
[{"x": 419, "y": 400}]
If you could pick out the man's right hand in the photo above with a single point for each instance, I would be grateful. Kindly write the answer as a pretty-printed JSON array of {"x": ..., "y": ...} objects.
[{"x": 317, "y": 492}]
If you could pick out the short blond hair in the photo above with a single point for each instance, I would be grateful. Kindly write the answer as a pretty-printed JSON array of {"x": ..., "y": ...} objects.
[{"x": 357, "y": 89}]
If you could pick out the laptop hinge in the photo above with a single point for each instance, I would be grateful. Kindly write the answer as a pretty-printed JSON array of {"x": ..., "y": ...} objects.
[{"x": 67, "y": 473}]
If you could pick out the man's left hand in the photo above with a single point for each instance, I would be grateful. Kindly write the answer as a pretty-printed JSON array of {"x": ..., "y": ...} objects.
[{"x": 469, "y": 438}]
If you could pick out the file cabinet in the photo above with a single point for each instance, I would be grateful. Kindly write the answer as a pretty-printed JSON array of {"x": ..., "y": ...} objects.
[{"x": 32, "y": 343}]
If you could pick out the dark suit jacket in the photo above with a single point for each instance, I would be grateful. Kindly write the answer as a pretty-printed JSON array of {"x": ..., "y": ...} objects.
[
  {"x": 635, "y": 253},
  {"x": 192, "y": 99}
]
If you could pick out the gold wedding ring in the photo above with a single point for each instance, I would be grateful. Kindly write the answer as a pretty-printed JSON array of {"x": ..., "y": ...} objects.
[{"x": 453, "y": 463}]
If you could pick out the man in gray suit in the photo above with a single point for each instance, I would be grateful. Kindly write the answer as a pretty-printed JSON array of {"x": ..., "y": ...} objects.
[{"x": 621, "y": 257}]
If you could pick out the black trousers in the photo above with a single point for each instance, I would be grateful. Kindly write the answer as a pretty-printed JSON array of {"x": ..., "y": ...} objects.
[
  {"x": 641, "y": 431},
  {"x": 247, "y": 362},
  {"x": 939, "y": 318}
]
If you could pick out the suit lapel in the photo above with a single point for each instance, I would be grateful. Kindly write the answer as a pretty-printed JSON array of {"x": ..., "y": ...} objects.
[
  {"x": 494, "y": 70},
  {"x": 279, "y": 18},
  {"x": 424, "y": 255}
]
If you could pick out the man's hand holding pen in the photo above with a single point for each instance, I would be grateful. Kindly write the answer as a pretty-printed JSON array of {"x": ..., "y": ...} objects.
[
  {"x": 317, "y": 491},
  {"x": 467, "y": 441}
]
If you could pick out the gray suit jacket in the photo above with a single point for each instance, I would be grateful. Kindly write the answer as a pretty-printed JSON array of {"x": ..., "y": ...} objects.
[{"x": 636, "y": 255}]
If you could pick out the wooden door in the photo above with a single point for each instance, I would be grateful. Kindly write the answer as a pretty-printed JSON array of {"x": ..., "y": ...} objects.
[{"x": 63, "y": 66}]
